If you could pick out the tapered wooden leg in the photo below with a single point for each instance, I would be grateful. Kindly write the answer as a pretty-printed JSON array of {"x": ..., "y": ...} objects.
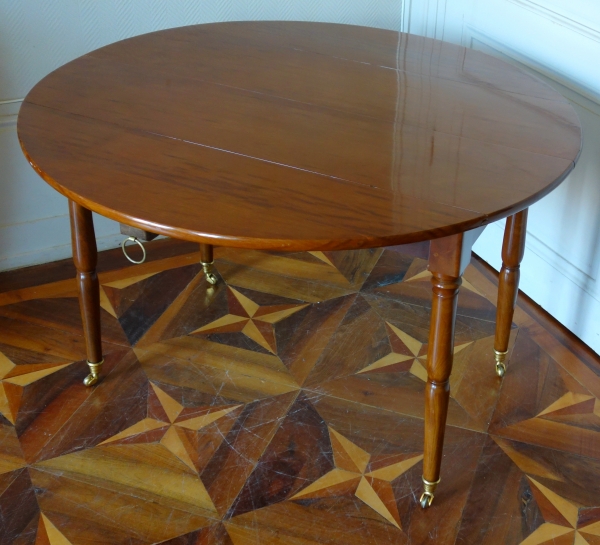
[
  {"x": 85, "y": 256},
  {"x": 206, "y": 251},
  {"x": 513, "y": 249},
  {"x": 448, "y": 258},
  {"x": 439, "y": 366}
]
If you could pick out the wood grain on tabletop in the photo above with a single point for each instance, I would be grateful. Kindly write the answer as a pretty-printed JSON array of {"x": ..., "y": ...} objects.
[{"x": 297, "y": 135}]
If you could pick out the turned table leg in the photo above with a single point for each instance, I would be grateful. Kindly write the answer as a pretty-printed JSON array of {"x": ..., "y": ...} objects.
[
  {"x": 206, "y": 251},
  {"x": 85, "y": 257},
  {"x": 448, "y": 258},
  {"x": 513, "y": 249},
  {"x": 439, "y": 365}
]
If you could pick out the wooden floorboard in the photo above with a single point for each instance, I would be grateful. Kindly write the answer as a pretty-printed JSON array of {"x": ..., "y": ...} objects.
[{"x": 285, "y": 405}]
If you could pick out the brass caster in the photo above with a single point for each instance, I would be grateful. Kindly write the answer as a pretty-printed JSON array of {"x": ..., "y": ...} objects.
[
  {"x": 94, "y": 375},
  {"x": 500, "y": 365},
  {"x": 427, "y": 496},
  {"x": 211, "y": 278},
  {"x": 426, "y": 500}
]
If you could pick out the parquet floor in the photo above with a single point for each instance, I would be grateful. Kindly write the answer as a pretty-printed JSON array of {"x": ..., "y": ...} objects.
[{"x": 284, "y": 406}]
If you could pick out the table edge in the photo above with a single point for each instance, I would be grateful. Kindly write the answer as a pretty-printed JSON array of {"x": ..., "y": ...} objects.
[{"x": 298, "y": 244}]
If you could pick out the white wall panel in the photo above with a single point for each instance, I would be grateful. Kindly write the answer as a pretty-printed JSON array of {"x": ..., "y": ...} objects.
[
  {"x": 584, "y": 12},
  {"x": 439, "y": 19},
  {"x": 36, "y": 36},
  {"x": 567, "y": 48},
  {"x": 23, "y": 197},
  {"x": 562, "y": 272}
]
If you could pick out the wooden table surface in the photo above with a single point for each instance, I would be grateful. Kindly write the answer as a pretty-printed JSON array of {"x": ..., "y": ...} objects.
[{"x": 297, "y": 136}]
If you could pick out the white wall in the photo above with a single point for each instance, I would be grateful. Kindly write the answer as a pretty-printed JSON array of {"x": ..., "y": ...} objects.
[
  {"x": 559, "y": 41},
  {"x": 556, "y": 39}
]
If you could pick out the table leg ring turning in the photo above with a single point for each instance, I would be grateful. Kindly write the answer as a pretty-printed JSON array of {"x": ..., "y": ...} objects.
[
  {"x": 94, "y": 375},
  {"x": 427, "y": 496}
]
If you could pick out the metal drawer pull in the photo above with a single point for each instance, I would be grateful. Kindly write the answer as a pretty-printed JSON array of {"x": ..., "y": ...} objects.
[{"x": 133, "y": 239}]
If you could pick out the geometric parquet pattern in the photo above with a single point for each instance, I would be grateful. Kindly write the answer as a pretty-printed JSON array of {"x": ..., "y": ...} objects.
[{"x": 285, "y": 406}]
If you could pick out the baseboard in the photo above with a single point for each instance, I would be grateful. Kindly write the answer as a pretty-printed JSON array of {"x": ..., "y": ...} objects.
[
  {"x": 48, "y": 239},
  {"x": 551, "y": 324},
  {"x": 568, "y": 302},
  {"x": 53, "y": 253},
  {"x": 108, "y": 260}
]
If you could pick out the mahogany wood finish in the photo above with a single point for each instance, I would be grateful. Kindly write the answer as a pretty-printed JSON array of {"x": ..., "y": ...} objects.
[
  {"x": 297, "y": 136},
  {"x": 140, "y": 234},
  {"x": 206, "y": 253},
  {"x": 85, "y": 257},
  {"x": 513, "y": 249},
  {"x": 448, "y": 258},
  {"x": 302, "y": 136},
  {"x": 439, "y": 367}
]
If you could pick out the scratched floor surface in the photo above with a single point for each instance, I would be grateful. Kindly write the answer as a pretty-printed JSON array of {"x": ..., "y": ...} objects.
[{"x": 285, "y": 405}]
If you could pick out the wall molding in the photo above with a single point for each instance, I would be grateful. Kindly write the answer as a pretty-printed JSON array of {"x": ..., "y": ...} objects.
[
  {"x": 54, "y": 253},
  {"x": 585, "y": 99},
  {"x": 553, "y": 259},
  {"x": 537, "y": 279},
  {"x": 584, "y": 96},
  {"x": 9, "y": 109},
  {"x": 7, "y": 121},
  {"x": 433, "y": 18},
  {"x": 405, "y": 11},
  {"x": 558, "y": 18},
  {"x": 562, "y": 265}
]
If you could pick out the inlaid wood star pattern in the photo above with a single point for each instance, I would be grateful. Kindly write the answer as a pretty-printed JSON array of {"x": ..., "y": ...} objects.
[
  {"x": 357, "y": 474},
  {"x": 285, "y": 405},
  {"x": 560, "y": 517},
  {"x": 253, "y": 320},
  {"x": 408, "y": 355},
  {"x": 172, "y": 428},
  {"x": 15, "y": 378}
]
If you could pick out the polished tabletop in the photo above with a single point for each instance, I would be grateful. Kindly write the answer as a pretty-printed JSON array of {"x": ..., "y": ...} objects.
[{"x": 294, "y": 136}]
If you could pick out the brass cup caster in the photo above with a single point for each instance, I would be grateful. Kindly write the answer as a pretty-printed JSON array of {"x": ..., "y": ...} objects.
[
  {"x": 94, "y": 375},
  {"x": 427, "y": 496},
  {"x": 211, "y": 278},
  {"x": 500, "y": 365}
]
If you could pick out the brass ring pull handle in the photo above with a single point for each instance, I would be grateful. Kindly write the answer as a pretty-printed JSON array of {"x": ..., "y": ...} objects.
[{"x": 133, "y": 239}]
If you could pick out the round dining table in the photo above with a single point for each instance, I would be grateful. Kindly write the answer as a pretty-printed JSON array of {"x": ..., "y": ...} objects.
[{"x": 294, "y": 136}]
